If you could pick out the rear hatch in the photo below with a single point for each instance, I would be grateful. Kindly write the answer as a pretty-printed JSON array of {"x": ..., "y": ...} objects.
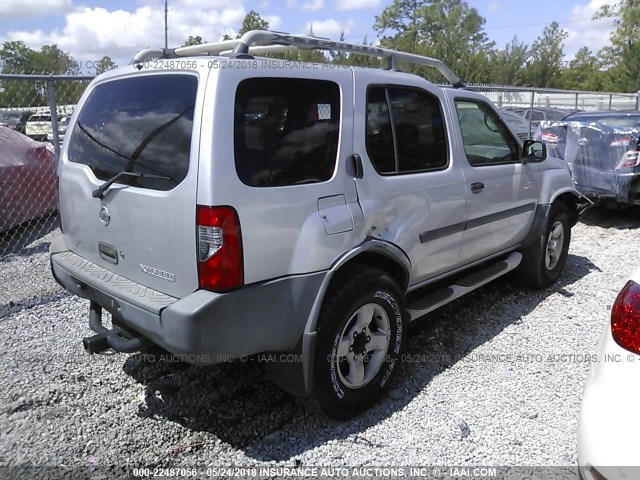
[
  {"x": 39, "y": 125},
  {"x": 143, "y": 228}
]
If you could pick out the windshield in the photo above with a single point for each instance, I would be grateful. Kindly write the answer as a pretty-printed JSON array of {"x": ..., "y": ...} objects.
[{"x": 140, "y": 125}]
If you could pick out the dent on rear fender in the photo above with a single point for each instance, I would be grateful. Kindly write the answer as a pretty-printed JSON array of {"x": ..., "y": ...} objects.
[{"x": 315, "y": 250}]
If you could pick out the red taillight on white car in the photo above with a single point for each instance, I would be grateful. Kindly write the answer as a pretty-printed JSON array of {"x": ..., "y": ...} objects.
[
  {"x": 625, "y": 318},
  {"x": 220, "y": 262}
]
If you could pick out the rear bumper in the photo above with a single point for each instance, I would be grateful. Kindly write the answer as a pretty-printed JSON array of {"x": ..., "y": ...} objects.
[
  {"x": 204, "y": 327},
  {"x": 608, "y": 425}
]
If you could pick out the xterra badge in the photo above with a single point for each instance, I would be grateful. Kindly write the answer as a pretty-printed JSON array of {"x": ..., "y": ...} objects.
[{"x": 158, "y": 273}]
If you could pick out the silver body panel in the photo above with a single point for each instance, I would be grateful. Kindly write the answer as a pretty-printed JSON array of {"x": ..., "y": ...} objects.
[{"x": 147, "y": 227}]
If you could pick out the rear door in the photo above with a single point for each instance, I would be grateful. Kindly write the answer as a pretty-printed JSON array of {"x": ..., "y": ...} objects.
[
  {"x": 143, "y": 228},
  {"x": 412, "y": 189}
]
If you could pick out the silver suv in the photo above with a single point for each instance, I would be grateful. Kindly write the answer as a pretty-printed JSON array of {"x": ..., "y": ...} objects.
[{"x": 227, "y": 205}]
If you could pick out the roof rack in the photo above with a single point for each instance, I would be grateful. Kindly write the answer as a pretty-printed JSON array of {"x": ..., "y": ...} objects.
[{"x": 266, "y": 42}]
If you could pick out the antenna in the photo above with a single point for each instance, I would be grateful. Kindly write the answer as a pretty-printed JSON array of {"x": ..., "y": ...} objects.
[{"x": 166, "y": 26}]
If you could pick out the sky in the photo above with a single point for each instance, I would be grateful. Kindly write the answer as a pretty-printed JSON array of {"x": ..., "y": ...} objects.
[{"x": 91, "y": 29}]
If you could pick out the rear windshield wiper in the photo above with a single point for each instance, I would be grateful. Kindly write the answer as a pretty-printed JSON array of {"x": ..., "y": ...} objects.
[{"x": 99, "y": 192}]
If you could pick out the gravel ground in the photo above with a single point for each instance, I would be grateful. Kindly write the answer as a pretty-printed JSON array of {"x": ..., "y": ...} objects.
[{"x": 460, "y": 401}]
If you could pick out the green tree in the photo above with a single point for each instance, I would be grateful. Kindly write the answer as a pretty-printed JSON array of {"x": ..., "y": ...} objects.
[
  {"x": 403, "y": 20},
  {"x": 583, "y": 72},
  {"x": 339, "y": 58},
  {"x": 105, "y": 64},
  {"x": 448, "y": 30},
  {"x": 506, "y": 65},
  {"x": 253, "y": 21},
  {"x": 544, "y": 66},
  {"x": 193, "y": 40},
  {"x": 50, "y": 59},
  {"x": 18, "y": 58},
  {"x": 308, "y": 55},
  {"x": 622, "y": 58}
]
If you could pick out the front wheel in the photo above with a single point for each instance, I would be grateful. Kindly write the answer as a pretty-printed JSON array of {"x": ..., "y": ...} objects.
[
  {"x": 543, "y": 262},
  {"x": 360, "y": 340}
]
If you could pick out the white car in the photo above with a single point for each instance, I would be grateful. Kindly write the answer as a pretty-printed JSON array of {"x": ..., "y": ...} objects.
[
  {"x": 608, "y": 444},
  {"x": 39, "y": 126}
]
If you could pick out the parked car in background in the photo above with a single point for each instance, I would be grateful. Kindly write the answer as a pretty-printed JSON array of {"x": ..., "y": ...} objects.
[
  {"x": 63, "y": 123},
  {"x": 609, "y": 424},
  {"x": 22, "y": 121},
  {"x": 541, "y": 114},
  {"x": 9, "y": 118},
  {"x": 517, "y": 123},
  {"x": 27, "y": 179},
  {"x": 39, "y": 126},
  {"x": 602, "y": 150}
]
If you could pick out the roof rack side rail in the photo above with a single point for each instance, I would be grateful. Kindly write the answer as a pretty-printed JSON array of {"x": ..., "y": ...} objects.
[{"x": 262, "y": 39}]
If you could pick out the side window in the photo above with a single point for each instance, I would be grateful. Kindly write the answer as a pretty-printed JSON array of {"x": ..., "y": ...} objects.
[
  {"x": 380, "y": 145},
  {"x": 486, "y": 139},
  {"x": 405, "y": 131},
  {"x": 286, "y": 131}
]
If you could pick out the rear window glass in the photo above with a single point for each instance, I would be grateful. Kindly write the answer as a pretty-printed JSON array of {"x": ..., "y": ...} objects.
[
  {"x": 286, "y": 131},
  {"x": 629, "y": 122},
  {"x": 140, "y": 125}
]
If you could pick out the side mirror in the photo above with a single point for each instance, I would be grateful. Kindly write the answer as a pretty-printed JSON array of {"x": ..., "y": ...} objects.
[{"x": 533, "y": 151}]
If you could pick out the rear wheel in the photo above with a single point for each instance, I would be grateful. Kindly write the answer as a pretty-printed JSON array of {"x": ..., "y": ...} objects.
[
  {"x": 360, "y": 340},
  {"x": 543, "y": 262}
]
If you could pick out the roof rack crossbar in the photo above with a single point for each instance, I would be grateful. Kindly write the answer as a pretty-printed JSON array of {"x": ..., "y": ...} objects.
[{"x": 259, "y": 41}]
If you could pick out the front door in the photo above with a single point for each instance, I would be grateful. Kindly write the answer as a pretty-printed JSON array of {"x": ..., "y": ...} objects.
[{"x": 502, "y": 193}]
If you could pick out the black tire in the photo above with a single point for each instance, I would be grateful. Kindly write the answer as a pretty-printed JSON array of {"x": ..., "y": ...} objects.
[
  {"x": 535, "y": 271},
  {"x": 358, "y": 289}
]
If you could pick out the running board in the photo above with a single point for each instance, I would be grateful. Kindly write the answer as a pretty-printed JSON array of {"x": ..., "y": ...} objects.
[{"x": 462, "y": 286}]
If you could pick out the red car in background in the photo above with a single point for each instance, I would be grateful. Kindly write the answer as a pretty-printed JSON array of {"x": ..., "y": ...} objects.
[{"x": 28, "y": 185}]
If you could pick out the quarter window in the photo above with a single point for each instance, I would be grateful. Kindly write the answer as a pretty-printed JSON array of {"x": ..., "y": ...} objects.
[
  {"x": 486, "y": 139},
  {"x": 286, "y": 131},
  {"x": 405, "y": 131}
]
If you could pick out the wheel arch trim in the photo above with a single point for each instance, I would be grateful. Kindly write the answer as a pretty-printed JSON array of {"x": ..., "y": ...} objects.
[{"x": 379, "y": 247}]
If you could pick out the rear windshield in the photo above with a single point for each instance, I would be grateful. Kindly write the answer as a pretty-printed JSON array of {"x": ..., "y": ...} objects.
[
  {"x": 286, "y": 131},
  {"x": 140, "y": 124},
  {"x": 40, "y": 118},
  {"x": 622, "y": 122}
]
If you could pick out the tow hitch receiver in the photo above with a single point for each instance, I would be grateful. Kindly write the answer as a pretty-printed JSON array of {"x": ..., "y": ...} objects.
[{"x": 105, "y": 338}]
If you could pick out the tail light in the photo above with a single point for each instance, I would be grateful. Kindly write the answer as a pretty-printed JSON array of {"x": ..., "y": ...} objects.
[
  {"x": 220, "y": 263},
  {"x": 549, "y": 137},
  {"x": 629, "y": 160},
  {"x": 625, "y": 318}
]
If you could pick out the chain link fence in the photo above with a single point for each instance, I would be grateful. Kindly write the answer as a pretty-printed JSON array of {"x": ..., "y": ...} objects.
[
  {"x": 538, "y": 104},
  {"x": 34, "y": 111}
]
